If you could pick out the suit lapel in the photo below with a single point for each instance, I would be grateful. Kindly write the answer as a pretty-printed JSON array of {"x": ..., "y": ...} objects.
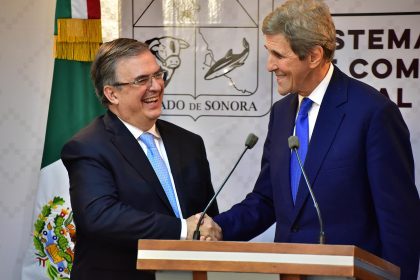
[
  {"x": 284, "y": 124},
  {"x": 132, "y": 152},
  {"x": 174, "y": 158},
  {"x": 328, "y": 122}
]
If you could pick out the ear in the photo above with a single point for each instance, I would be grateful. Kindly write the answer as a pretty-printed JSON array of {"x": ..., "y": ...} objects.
[
  {"x": 183, "y": 44},
  {"x": 111, "y": 94},
  {"x": 316, "y": 56}
]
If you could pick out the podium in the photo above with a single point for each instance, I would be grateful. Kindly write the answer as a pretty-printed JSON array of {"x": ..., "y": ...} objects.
[{"x": 199, "y": 259}]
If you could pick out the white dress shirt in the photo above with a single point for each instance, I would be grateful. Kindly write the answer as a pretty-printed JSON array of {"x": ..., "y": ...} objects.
[
  {"x": 161, "y": 149},
  {"x": 316, "y": 96}
]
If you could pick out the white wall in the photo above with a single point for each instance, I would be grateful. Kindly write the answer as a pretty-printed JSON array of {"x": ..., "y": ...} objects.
[{"x": 26, "y": 64}]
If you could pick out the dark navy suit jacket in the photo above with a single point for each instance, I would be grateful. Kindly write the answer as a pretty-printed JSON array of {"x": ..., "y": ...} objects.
[
  {"x": 361, "y": 168},
  {"x": 117, "y": 198}
]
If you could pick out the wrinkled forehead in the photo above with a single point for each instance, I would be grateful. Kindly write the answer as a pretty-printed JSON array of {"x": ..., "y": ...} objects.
[
  {"x": 142, "y": 64},
  {"x": 277, "y": 42}
]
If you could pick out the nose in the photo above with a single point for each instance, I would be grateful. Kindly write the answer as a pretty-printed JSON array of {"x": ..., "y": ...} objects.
[
  {"x": 271, "y": 63},
  {"x": 154, "y": 84}
]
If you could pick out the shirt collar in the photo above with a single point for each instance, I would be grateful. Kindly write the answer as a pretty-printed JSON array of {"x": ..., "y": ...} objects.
[
  {"x": 137, "y": 132},
  {"x": 318, "y": 93}
]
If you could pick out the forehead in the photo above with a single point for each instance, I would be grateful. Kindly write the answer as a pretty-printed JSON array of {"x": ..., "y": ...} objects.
[
  {"x": 277, "y": 43},
  {"x": 134, "y": 66}
]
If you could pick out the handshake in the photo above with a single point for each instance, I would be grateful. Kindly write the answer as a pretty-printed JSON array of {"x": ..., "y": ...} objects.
[{"x": 209, "y": 230}]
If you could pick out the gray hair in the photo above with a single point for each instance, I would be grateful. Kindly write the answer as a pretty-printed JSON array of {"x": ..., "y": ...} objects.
[
  {"x": 103, "y": 69},
  {"x": 305, "y": 24}
]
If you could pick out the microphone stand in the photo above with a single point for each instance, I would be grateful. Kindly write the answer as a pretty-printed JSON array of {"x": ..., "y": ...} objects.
[
  {"x": 196, "y": 235},
  {"x": 321, "y": 224}
]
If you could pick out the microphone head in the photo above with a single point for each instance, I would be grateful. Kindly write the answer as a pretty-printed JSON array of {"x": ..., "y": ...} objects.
[
  {"x": 293, "y": 142},
  {"x": 251, "y": 140}
]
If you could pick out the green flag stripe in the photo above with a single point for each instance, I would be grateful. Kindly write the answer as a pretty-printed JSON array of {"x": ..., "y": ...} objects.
[
  {"x": 62, "y": 10},
  {"x": 73, "y": 104}
]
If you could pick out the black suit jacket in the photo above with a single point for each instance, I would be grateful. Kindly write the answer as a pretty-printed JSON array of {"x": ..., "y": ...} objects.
[{"x": 117, "y": 198}]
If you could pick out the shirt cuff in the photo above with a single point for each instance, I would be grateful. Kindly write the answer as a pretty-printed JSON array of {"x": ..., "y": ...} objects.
[{"x": 183, "y": 229}]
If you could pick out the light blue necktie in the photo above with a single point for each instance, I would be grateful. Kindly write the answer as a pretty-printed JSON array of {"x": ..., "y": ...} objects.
[
  {"x": 160, "y": 168},
  {"x": 302, "y": 132}
]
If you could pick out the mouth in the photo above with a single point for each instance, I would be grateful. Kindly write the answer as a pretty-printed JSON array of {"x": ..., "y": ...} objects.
[
  {"x": 151, "y": 99},
  {"x": 280, "y": 76},
  {"x": 173, "y": 65}
]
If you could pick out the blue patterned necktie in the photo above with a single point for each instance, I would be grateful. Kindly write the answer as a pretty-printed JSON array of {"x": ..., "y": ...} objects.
[
  {"x": 160, "y": 168},
  {"x": 302, "y": 132}
]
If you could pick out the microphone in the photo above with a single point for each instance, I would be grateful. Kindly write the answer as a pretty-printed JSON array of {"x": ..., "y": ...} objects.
[
  {"x": 250, "y": 142},
  {"x": 294, "y": 146}
]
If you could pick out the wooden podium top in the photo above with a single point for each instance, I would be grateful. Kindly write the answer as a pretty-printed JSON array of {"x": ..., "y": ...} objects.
[{"x": 274, "y": 258}]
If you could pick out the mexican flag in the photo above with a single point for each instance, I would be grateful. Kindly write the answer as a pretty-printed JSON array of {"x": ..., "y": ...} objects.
[{"x": 73, "y": 104}]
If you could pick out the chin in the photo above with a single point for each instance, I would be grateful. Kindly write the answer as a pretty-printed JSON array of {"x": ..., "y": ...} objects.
[
  {"x": 283, "y": 93},
  {"x": 155, "y": 114}
]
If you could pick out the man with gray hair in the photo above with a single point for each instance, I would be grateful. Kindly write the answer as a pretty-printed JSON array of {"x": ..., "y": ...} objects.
[
  {"x": 354, "y": 144},
  {"x": 132, "y": 176}
]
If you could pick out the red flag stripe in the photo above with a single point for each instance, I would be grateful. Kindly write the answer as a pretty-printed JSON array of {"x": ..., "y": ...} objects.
[{"x": 94, "y": 9}]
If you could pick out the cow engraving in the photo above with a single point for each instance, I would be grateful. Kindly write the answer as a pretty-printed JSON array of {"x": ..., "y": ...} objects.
[{"x": 167, "y": 51}]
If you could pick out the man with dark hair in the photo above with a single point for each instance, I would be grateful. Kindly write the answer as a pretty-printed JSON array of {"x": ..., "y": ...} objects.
[
  {"x": 354, "y": 144},
  {"x": 132, "y": 176}
]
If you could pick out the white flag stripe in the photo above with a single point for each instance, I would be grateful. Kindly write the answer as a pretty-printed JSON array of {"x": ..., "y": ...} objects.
[
  {"x": 53, "y": 181},
  {"x": 79, "y": 9}
]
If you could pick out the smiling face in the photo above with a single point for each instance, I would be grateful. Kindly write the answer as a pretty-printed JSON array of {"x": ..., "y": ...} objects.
[
  {"x": 292, "y": 74},
  {"x": 139, "y": 105}
]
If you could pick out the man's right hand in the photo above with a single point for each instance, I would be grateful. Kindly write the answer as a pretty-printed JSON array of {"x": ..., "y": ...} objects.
[{"x": 209, "y": 230}]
